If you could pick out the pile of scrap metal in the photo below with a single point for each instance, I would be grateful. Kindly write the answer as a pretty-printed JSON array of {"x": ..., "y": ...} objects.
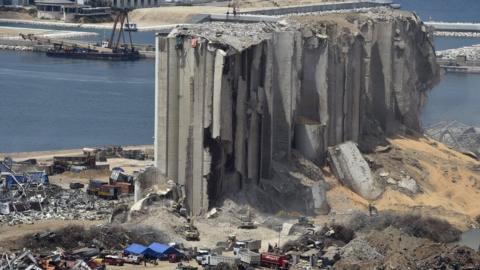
[
  {"x": 24, "y": 260},
  {"x": 119, "y": 184},
  {"x": 462, "y": 137},
  {"x": 72, "y": 163},
  {"x": 10, "y": 179},
  {"x": 93, "y": 257},
  {"x": 27, "y": 203},
  {"x": 102, "y": 153},
  {"x": 318, "y": 247},
  {"x": 82, "y": 259}
]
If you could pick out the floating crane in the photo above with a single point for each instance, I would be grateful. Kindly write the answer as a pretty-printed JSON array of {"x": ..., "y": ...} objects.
[{"x": 113, "y": 50}]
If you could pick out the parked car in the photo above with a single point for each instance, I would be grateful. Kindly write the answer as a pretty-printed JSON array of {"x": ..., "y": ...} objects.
[
  {"x": 132, "y": 259},
  {"x": 114, "y": 260}
]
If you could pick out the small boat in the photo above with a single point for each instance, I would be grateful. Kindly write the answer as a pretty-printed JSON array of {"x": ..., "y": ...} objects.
[{"x": 132, "y": 27}]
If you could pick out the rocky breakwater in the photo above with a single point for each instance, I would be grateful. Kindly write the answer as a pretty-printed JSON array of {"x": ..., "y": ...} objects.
[{"x": 236, "y": 103}]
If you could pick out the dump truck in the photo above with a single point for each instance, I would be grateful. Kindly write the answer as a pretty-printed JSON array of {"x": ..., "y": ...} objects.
[
  {"x": 249, "y": 257},
  {"x": 252, "y": 245},
  {"x": 272, "y": 260},
  {"x": 214, "y": 260}
]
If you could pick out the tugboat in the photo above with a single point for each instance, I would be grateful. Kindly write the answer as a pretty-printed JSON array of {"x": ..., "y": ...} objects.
[{"x": 111, "y": 50}]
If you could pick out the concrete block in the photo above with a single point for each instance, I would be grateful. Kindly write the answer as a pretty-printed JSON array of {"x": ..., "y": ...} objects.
[{"x": 352, "y": 170}]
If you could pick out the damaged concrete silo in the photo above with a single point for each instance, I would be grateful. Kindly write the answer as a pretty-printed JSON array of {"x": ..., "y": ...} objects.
[{"x": 229, "y": 96}]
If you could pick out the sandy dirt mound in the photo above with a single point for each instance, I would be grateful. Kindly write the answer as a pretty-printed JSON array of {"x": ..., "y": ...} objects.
[
  {"x": 448, "y": 182},
  {"x": 17, "y": 14},
  {"x": 446, "y": 177}
]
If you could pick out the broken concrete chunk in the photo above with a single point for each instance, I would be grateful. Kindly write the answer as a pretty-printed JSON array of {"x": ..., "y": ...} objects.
[
  {"x": 384, "y": 174},
  {"x": 287, "y": 229},
  {"x": 409, "y": 184},
  {"x": 391, "y": 181},
  {"x": 352, "y": 170},
  {"x": 212, "y": 213}
]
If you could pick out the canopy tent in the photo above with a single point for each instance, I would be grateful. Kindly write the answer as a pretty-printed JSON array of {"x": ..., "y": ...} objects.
[
  {"x": 135, "y": 249},
  {"x": 159, "y": 251}
]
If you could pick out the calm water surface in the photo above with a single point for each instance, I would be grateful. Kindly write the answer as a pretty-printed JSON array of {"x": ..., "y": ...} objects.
[
  {"x": 55, "y": 103},
  {"x": 457, "y": 97}
]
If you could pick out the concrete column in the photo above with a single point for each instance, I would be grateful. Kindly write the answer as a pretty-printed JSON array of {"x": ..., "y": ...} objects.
[
  {"x": 209, "y": 81},
  {"x": 217, "y": 93},
  {"x": 173, "y": 110},
  {"x": 253, "y": 141},
  {"x": 266, "y": 98},
  {"x": 282, "y": 85},
  {"x": 198, "y": 193},
  {"x": 161, "y": 104},
  {"x": 186, "y": 73},
  {"x": 241, "y": 127}
]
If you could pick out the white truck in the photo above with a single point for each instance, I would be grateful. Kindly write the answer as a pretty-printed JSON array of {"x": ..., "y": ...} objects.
[
  {"x": 214, "y": 260},
  {"x": 252, "y": 245},
  {"x": 249, "y": 257}
]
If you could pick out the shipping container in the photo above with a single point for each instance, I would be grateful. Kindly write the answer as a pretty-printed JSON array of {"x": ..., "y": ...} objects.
[
  {"x": 124, "y": 188},
  {"x": 94, "y": 186},
  {"x": 108, "y": 192}
]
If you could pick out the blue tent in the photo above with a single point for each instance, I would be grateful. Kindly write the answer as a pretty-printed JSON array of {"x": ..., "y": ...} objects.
[
  {"x": 135, "y": 249},
  {"x": 160, "y": 251}
]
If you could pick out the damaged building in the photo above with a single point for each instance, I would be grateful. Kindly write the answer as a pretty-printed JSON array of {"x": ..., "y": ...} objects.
[{"x": 232, "y": 99}]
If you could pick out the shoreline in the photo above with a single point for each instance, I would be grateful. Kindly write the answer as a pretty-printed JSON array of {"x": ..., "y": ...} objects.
[
  {"x": 61, "y": 152},
  {"x": 103, "y": 26}
]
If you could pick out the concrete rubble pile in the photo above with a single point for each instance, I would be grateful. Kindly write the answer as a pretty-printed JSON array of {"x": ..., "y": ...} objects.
[
  {"x": 457, "y": 34},
  {"x": 462, "y": 137},
  {"x": 318, "y": 247},
  {"x": 472, "y": 53},
  {"x": 75, "y": 247},
  {"x": 51, "y": 202},
  {"x": 233, "y": 100},
  {"x": 24, "y": 260}
]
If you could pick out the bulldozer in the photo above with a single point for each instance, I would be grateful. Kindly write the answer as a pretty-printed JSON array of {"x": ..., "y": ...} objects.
[{"x": 190, "y": 232}]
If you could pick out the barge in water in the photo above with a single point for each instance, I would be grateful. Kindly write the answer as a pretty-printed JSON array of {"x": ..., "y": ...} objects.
[{"x": 82, "y": 53}]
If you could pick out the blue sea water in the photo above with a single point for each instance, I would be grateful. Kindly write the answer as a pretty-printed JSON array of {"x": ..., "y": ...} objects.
[
  {"x": 55, "y": 103},
  {"x": 457, "y": 96},
  {"x": 51, "y": 103}
]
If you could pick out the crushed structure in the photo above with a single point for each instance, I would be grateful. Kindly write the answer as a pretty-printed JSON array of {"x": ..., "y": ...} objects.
[
  {"x": 462, "y": 137},
  {"x": 233, "y": 99}
]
